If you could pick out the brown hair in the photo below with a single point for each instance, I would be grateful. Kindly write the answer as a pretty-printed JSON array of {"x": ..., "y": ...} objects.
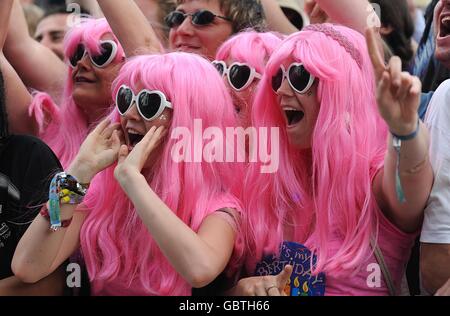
[{"x": 243, "y": 14}]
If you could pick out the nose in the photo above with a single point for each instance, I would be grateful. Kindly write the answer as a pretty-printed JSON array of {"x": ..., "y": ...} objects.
[
  {"x": 133, "y": 114},
  {"x": 46, "y": 41},
  {"x": 85, "y": 62},
  {"x": 186, "y": 28},
  {"x": 285, "y": 89}
]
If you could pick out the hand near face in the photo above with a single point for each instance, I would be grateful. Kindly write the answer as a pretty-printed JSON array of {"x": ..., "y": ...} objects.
[
  {"x": 269, "y": 285},
  {"x": 133, "y": 162},
  {"x": 398, "y": 93},
  {"x": 444, "y": 290},
  {"x": 98, "y": 151}
]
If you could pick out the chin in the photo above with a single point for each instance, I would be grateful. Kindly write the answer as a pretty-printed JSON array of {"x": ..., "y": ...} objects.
[{"x": 443, "y": 56}]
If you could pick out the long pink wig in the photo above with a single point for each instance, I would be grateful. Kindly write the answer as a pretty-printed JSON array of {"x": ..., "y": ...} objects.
[
  {"x": 69, "y": 125},
  {"x": 115, "y": 243},
  {"x": 250, "y": 47},
  {"x": 324, "y": 192}
]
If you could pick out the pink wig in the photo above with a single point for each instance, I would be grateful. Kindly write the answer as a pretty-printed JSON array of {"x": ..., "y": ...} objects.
[
  {"x": 250, "y": 47},
  {"x": 115, "y": 243},
  {"x": 324, "y": 192},
  {"x": 69, "y": 125}
]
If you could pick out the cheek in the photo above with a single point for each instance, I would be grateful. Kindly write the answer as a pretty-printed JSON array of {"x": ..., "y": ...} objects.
[
  {"x": 164, "y": 119},
  {"x": 172, "y": 36}
]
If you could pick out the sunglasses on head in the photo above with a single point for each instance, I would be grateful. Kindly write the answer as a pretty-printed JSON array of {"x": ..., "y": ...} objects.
[
  {"x": 150, "y": 103},
  {"x": 199, "y": 18},
  {"x": 298, "y": 77},
  {"x": 108, "y": 53},
  {"x": 239, "y": 75}
]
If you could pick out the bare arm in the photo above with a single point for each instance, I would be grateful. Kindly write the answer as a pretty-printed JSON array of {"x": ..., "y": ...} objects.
[
  {"x": 131, "y": 27},
  {"x": 198, "y": 257},
  {"x": 5, "y": 12},
  {"x": 18, "y": 100},
  {"x": 41, "y": 250},
  {"x": 276, "y": 20},
  {"x": 356, "y": 14},
  {"x": 53, "y": 285},
  {"x": 398, "y": 96},
  {"x": 16, "y": 95},
  {"x": 434, "y": 265},
  {"x": 37, "y": 66}
]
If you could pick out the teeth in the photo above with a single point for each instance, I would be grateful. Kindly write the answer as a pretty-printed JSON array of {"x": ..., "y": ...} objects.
[
  {"x": 132, "y": 131},
  {"x": 289, "y": 109}
]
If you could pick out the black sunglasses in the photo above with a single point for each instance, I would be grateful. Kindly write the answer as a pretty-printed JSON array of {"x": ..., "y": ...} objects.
[
  {"x": 150, "y": 103},
  {"x": 107, "y": 55},
  {"x": 199, "y": 18},
  {"x": 298, "y": 77},
  {"x": 240, "y": 75}
]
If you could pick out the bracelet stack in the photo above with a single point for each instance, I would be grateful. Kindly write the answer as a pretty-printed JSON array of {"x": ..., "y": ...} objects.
[{"x": 64, "y": 189}]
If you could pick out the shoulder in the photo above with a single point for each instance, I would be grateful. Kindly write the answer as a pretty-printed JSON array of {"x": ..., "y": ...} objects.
[
  {"x": 438, "y": 108},
  {"x": 29, "y": 154}
]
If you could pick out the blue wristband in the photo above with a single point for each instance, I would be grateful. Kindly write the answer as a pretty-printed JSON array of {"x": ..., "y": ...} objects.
[{"x": 409, "y": 136}]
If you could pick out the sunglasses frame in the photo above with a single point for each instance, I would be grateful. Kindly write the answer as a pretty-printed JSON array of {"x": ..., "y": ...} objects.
[
  {"x": 285, "y": 74},
  {"x": 192, "y": 15},
  {"x": 110, "y": 59},
  {"x": 226, "y": 72},
  {"x": 135, "y": 98}
]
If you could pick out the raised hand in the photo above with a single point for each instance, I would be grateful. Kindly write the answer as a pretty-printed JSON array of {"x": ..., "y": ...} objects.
[
  {"x": 315, "y": 12},
  {"x": 134, "y": 161},
  {"x": 98, "y": 151},
  {"x": 269, "y": 285},
  {"x": 398, "y": 93}
]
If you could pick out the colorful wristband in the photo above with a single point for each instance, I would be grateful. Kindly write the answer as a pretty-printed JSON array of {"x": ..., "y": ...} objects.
[
  {"x": 44, "y": 213},
  {"x": 409, "y": 136}
]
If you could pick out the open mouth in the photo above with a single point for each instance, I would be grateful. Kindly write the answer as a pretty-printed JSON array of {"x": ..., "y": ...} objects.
[
  {"x": 186, "y": 48},
  {"x": 293, "y": 116},
  {"x": 445, "y": 27},
  {"x": 83, "y": 80},
  {"x": 134, "y": 138}
]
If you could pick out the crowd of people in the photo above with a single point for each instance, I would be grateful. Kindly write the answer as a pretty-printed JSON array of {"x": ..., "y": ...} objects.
[{"x": 225, "y": 147}]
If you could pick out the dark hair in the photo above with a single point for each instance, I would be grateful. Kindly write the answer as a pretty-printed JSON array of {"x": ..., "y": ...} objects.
[
  {"x": 395, "y": 14},
  {"x": 61, "y": 9},
  {"x": 4, "y": 131},
  {"x": 244, "y": 14}
]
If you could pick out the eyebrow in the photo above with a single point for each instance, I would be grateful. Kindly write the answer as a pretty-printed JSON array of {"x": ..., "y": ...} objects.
[{"x": 56, "y": 33}]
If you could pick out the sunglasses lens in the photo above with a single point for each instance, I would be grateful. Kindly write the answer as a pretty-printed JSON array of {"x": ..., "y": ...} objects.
[
  {"x": 219, "y": 67},
  {"x": 77, "y": 55},
  {"x": 149, "y": 104},
  {"x": 102, "y": 59},
  {"x": 239, "y": 76},
  {"x": 277, "y": 80},
  {"x": 299, "y": 78},
  {"x": 174, "y": 18},
  {"x": 203, "y": 17},
  {"x": 124, "y": 99}
]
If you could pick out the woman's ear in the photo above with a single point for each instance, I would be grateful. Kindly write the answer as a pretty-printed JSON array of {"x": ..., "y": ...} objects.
[{"x": 386, "y": 30}]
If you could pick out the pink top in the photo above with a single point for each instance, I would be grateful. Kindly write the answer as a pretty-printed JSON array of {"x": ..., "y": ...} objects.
[
  {"x": 396, "y": 248},
  {"x": 121, "y": 287}
]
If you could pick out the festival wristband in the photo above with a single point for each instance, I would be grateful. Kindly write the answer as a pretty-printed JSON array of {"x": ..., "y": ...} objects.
[{"x": 397, "y": 144}]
